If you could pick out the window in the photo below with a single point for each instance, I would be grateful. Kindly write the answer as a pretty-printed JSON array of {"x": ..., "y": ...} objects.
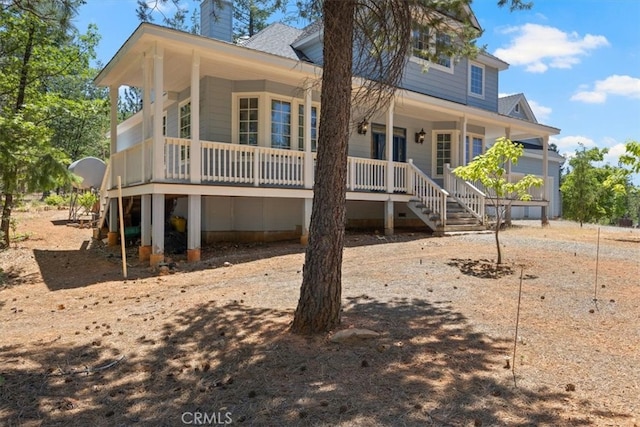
[
  {"x": 185, "y": 120},
  {"x": 476, "y": 80},
  {"x": 517, "y": 108},
  {"x": 280, "y": 124},
  {"x": 248, "y": 121},
  {"x": 428, "y": 44},
  {"x": 443, "y": 152},
  {"x": 164, "y": 124},
  {"x": 474, "y": 147},
  {"x": 314, "y": 127}
]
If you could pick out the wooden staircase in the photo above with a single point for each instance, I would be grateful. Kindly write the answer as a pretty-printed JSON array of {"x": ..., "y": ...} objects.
[
  {"x": 458, "y": 219},
  {"x": 459, "y": 208}
]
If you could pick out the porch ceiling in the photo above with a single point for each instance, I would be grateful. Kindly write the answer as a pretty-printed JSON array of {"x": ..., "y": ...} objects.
[{"x": 217, "y": 58}]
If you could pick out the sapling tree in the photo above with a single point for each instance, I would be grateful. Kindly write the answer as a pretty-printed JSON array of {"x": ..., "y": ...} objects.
[{"x": 490, "y": 170}]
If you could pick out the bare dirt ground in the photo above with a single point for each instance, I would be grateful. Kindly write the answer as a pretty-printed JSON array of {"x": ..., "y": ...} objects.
[{"x": 209, "y": 344}]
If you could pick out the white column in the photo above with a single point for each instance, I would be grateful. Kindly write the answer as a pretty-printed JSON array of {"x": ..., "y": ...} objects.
[
  {"x": 194, "y": 222},
  {"x": 157, "y": 224},
  {"x": 145, "y": 220},
  {"x": 389, "y": 146},
  {"x": 388, "y": 217},
  {"x": 158, "y": 90},
  {"x": 113, "y": 215},
  {"x": 308, "y": 155},
  {"x": 196, "y": 151},
  {"x": 545, "y": 177},
  {"x": 507, "y": 213},
  {"x": 146, "y": 108},
  {"x": 113, "y": 131},
  {"x": 113, "y": 97},
  {"x": 463, "y": 136}
]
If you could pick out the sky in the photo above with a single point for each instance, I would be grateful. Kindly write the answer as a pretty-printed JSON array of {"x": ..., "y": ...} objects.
[{"x": 576, "y": 61}]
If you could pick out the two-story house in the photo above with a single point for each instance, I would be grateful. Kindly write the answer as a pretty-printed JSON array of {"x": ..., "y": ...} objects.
[{"x": 227, "y": 134}]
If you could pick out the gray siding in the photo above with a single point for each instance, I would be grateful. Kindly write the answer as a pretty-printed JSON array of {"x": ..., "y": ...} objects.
[
  {"x": 434, "y": 82},
  {"x": 215, "y": 109},
  {"x": 490, "y": 100},
  {"x": 130, "y": 137}
]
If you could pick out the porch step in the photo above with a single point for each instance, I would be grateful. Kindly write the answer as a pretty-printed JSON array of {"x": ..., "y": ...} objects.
[{"x": 459, "y": 220}]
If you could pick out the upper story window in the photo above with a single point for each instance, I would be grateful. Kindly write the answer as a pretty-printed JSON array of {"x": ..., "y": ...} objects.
[
  {"x": 429, "y": 43},
  {"x": 314, "y": 127},
  {"x": 476, "y": 80},
  {"x": 185, "y": 120},
  {"x": 517, "y": 108},
  {"x": 280, "y": 124},
  {"x": 248, "y": 121}
]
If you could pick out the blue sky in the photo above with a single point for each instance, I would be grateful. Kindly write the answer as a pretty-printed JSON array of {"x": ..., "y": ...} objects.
[{"x": 576, "y": 61}]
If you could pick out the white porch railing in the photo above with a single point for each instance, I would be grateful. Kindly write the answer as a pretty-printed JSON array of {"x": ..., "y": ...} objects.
[
  {"x": 430, "y": 194},
  {"x": 472, "y": 199},
  {"x": 249, "y": 165}
]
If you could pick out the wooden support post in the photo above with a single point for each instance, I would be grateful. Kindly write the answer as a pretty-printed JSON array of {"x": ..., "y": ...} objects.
[{"x": 122, "y": 241}]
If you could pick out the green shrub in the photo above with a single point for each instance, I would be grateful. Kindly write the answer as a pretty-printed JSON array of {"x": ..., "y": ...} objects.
[
  {"x": 55, "y": 200},
  {"x": 87, "y": 201}
]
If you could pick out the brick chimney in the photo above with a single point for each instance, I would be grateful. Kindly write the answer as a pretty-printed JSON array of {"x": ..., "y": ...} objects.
[{"x": 216, "y": 19}]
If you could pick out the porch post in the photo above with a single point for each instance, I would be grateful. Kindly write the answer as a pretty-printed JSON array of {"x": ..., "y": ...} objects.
[
  {"x": 112, "y": 235},
  {"x": 308, "y": 156},
  {"x": 388, "y": 217},
  {"x": 544, "y": 217},
  {"x": 194, "y": 225},
  {"x": 463, "y": 135},
  {"x": 157, "y": 229},
  {"x": 306, "y": 221},
  {"x": 195, "y": 153},
  {"x": 389, "y": 147},
  {"x": 144, "y": 251},
  {"x": 113, "y": 97},
  {"x": 158, "y": 140},
  {"x": 507, "y": 212},
  {"x": 146, "y": 108}
]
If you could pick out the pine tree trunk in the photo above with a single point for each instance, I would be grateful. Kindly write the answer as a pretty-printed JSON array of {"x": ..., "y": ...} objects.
[
  {"x": 5, "y": 223},
  {"x": 320, "y": 294}
]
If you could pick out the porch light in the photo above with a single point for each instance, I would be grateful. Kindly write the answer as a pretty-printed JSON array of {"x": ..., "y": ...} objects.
[
  {"x": 363, "y": 126},
  {"x": 420, "y": 136}
]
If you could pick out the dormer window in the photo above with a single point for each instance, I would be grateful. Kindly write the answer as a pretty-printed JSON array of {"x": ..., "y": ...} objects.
[
  {"x": 429, "y": 44},
  {"x": 517, "y": 108}
]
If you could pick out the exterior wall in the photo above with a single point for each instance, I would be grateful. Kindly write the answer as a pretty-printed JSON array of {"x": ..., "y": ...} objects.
[
  {"x": 250, "y": 219},
  {"x": 215, "y": 109},
  {"x": 435, "y": 82},
  {"x": 370, "y": 215},
  {"x": 130, "y": 137}
]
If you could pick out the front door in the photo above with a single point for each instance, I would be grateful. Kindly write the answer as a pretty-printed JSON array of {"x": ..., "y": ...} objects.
[{"x": 379, "y": 141}]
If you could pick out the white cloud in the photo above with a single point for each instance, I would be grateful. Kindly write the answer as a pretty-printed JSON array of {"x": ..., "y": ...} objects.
[
  {"x": 613, "y": 156},
  {"x": 613, "y": 85},
  {"x": 538, "y": 47},
  {"x": 567, "y": 145},
  {"x": 541, "y": 112}
]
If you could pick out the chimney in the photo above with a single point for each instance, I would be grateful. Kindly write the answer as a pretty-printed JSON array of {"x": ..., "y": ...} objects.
[{"x": 216, "y": 19}]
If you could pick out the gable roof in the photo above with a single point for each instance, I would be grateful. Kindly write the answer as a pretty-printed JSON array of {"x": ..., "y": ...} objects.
[
  {"x": 276, "y": 39},
  {"x": 507, "y": 105}
]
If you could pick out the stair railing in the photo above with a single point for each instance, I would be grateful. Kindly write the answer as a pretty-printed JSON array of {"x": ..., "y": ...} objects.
[
  {"x": 430, "y": 194},
  {"x": 465, "y": 193}
]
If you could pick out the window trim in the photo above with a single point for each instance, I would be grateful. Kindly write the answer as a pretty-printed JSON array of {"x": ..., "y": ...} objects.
[
  {"x": 469, "y": 145},
  {"x": 432, "y": 46},
  {"x": 264, "y": 117},
  {"x": 180, "y": 106},
  {"x": 434, "y": 150},
  {"x": 484, "y": 73}
]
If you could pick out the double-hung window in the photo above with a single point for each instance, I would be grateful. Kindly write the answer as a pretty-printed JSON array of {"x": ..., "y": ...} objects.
[
  {"x": 476, "y": 80},
  {"x": 185, "y": 120},
  {"x": 431, "y": 45},
  {"x": 248, "y": 120},
  {"x": 314, "y": 127},
  {"x": 280, "y": 124},
  {"x": 474, "y": 147},
  {"x": 443, "y": 152}
]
